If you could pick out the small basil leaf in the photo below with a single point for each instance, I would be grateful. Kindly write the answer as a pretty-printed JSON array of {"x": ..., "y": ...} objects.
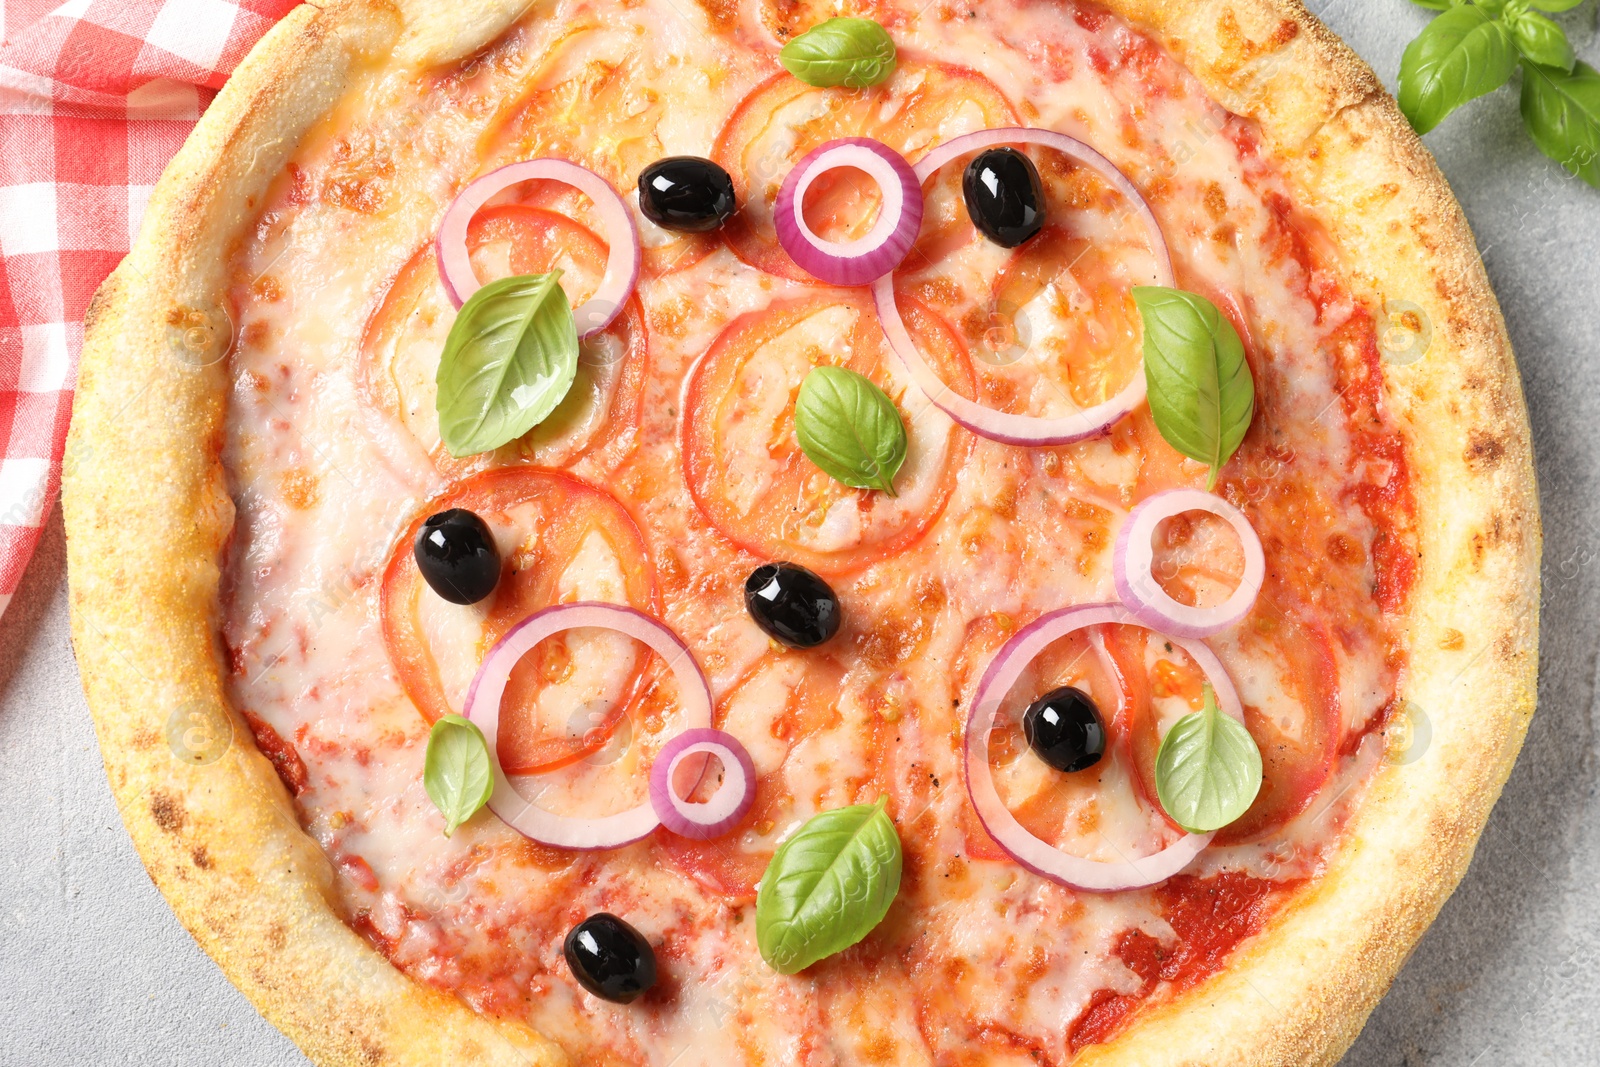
[
  {"x": 828, "y": 886},
  {"x": 1542, "y": 41},
  {"x": 456, "y": 771},
  {"x": 1201, "y": 393},
  {"x": 842, "y": 51},
  {"x": 1436, "y": 5},
  {"x": 1459, "y": 56},
  {"x": 1562, "y": 113},
  {"x": 1208, "y": 770},
  {"x": 1557, "y": 6},
  {"x": 509, "y": 360},
  {"x": 849, "y": 428}
]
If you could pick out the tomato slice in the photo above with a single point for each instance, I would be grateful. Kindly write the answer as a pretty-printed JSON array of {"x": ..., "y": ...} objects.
[
  {"x": 562, "y": 540},
  {"x": 1197, "y": 558},
  {"x": 779, "y": 707},
  {"x": 1060, "y": 332},
  {"x": 744, "y": 466},
  {"x": 401, "y": 346},
  {"x": 920, "y": 106},
  {"x": 1298, "y": 738},
  {"x": 1300, "y": 731},
  {"x": 1136, "y": 726},
  {"x": 603, "y": 110}
]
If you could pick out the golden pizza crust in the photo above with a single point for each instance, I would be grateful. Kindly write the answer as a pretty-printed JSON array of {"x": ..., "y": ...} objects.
[{"x": 148, "y": 517}]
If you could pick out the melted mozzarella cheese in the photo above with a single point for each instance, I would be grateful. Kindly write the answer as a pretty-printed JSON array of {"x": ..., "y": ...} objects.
[{"x": 326, "y": 480}]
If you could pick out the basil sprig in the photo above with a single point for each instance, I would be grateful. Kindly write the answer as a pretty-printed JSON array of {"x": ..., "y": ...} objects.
[
  {"x": 850, "y": 428},
  {"x": 1541, "y": 41},
  {"x": 842, "y": 51},
  {"x": 1462, "y": 54},
  {"x": 1473, "y": 48},
  {"x": 456, "y": 770},
  {"x": 1562, "y": 113},
  {"x": 1208, "y": 770},
  {"x": 1200, "y": 389},
  {"x": 827, "y": 886},
  {"x": 510, "y": 358}
]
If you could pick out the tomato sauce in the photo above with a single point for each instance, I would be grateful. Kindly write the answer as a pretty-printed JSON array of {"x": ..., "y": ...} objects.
[{"x": 1210, "y": 917}]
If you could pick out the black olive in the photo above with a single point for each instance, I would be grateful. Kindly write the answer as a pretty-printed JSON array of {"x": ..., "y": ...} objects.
[
  {"x": 1004, "y": 196},
  {"x": 609, "y": 958},
  {"x": 686, "y": 193},
  {"x": 456, "y": 553},
  {"x": 1063, "y": 727},
  {"x": 792, "y": 604}
]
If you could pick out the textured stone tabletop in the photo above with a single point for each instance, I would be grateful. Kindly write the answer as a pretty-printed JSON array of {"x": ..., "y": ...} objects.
[{"x": 95, "y": 970}]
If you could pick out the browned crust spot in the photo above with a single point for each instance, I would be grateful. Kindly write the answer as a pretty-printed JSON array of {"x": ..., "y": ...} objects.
[{"x": 167, "y": 811}]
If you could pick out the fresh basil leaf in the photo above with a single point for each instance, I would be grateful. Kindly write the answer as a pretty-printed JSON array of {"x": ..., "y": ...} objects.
[
  {"x": 849, "y": 428},
  {"x": 1542, "y": 41},
  {"x": 1562, "y": 113},
  {"x": 842, "y": 51},
  {"x": 1200, "y": 389},
  {"x": 509, "y": 360},
  {"x": 1459, "y": 56},
  {"x": 1557, "y": 6},
  {"x": 456, "y": 770},
  {"x": 827, "y": 886},
  {"x": 1436, "y": 5},
  {"x": 1208, "y": 770}
]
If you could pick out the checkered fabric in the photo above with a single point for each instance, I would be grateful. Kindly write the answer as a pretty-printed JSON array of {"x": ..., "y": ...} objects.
[{"x": 95, "y": 97}]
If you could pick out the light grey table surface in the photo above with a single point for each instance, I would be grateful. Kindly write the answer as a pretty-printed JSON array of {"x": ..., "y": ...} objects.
[{"x": 95, "y": 970}]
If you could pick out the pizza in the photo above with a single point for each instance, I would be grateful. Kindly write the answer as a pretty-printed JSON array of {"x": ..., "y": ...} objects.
[{"x": 752, "y": 531}]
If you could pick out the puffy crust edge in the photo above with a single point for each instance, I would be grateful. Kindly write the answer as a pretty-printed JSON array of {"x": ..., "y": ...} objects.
[
  {"x": 221, "y": 840},
  {"x": 1300, "y": 992}
]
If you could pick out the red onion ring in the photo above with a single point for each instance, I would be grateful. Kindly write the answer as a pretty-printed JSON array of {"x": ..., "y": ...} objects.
[
  {"x": 622, "y": 263},
  {"x": 1132, "y": 556},
  {"x": 883, "y": 247},
  {"x": 727, "y": 805},
  {"x": 489, "y": 686},
  {"x": 1036, "y": 855},
  {"x": 1003, "y": 426}
]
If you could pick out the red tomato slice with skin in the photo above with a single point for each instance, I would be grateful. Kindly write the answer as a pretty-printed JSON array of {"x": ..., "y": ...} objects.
[
  {"x": 1296, "y": 763},
  {"x": 1060, "y": 314},
  {"x": 401, "y": 346},
  {"x": 565, "y": 518},
  {"x": 744, "y": 465},
  {"x": 732, "y": 865},
  {"x": 578, "y": 90},
  {"x": 782, "y": 119},
  {"x": 1294, "y": 767}
]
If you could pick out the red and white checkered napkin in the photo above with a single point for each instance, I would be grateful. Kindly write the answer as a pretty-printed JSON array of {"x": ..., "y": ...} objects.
[{"x": 95, "y": 97}]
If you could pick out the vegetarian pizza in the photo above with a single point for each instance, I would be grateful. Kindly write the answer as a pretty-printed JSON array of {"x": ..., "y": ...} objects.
[{"x": 752, "y": 531}]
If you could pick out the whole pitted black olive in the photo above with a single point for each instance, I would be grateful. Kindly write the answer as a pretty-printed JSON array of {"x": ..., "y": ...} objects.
[
  {"x": 1004, "y": 196},
  {"x": 457, "y": 556},
  {"x": 792, "y": 604},
  {"x": 609, "y": 958},
  {"x": 686, "y": 193},
  {"x": 1063, "y": 728}
]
